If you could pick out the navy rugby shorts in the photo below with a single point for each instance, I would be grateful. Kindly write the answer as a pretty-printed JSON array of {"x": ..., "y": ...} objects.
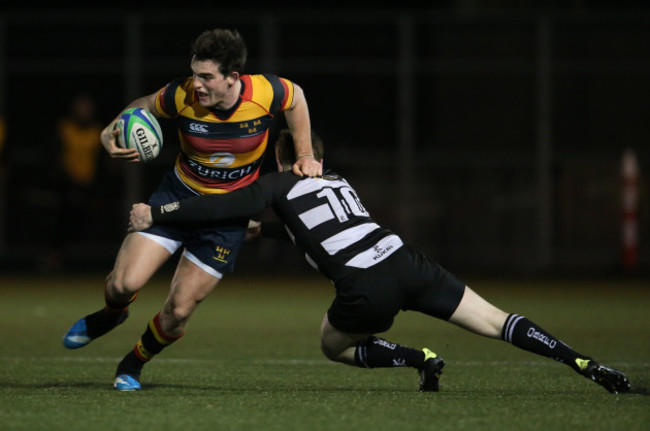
[
  {"x": 211, "y": 246},
  {"x": 367, "y": 301}
]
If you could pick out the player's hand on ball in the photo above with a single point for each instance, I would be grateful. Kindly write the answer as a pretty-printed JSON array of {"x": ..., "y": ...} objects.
[
  {"x": 109, "y": 141},
  {"x": 140, "y": 217}
]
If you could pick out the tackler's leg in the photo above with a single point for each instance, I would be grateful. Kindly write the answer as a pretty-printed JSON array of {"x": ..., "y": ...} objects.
[{"x": 479, "y": 316}]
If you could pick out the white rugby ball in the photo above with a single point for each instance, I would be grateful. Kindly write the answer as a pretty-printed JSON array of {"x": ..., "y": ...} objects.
[{"x": 139, "y": 129}]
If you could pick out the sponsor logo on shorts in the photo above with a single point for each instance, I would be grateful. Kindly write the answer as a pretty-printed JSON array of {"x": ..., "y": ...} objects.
[{"x": 222, "y": 254}]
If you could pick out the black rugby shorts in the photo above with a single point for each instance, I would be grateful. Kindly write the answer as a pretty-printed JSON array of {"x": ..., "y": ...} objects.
[{"x": 367, "y": 301}]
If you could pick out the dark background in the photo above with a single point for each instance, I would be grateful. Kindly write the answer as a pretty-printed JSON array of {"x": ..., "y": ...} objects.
[{"x": 489, "y": 134}]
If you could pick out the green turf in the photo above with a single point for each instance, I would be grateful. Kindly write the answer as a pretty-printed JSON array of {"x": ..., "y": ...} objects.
[{"x": 251, "y": 360}]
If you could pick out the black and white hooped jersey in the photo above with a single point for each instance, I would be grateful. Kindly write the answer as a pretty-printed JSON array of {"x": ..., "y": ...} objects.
[{"x": 323, "y": 216}]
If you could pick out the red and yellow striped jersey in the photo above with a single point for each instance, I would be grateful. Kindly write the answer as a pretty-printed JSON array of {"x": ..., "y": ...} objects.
[{"x": 221, "y": 150}]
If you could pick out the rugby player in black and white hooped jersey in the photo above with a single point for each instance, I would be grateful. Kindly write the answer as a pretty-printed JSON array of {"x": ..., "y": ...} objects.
[
  {"x": 375, "y": 274},
  {"x": 223, "y": 119}
]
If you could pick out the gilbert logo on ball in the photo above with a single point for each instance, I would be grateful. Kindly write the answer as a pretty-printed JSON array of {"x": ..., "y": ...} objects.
[{"x": 139, "y": 129}]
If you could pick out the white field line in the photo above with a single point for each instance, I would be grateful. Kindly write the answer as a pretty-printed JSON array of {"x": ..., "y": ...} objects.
[{"x": 296, "y": 362}]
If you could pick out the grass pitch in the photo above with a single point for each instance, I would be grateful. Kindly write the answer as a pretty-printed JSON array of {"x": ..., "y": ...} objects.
[{"x": 251, "y": 360}]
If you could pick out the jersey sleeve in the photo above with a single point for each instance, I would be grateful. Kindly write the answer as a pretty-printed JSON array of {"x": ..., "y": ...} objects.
[
  {"x": 282, "y": 93},
  {"x": 174, "y": 96},
  {"x": 244, "y": 202}
]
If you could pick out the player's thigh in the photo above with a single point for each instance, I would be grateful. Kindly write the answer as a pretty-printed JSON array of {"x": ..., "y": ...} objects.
[
  {"x": 478, "y": 315},
  {"x": 191, "y": 284},
  {"x": 428, "y": 287},
  {"x": 138, "y": 259}
]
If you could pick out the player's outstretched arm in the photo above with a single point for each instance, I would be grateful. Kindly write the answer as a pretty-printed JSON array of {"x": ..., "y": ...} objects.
[
  {"x": 245, "y": 202},
  {"x": 300, "y": 126}
]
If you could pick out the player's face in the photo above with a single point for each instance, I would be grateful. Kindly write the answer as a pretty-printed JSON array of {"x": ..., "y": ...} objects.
[{"x": 213, "y": 89}]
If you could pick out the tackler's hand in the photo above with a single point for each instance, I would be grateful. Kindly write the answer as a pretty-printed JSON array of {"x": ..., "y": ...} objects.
[
  {"x": 140, "y": 217},
  {"x": 307, "y": 166}
]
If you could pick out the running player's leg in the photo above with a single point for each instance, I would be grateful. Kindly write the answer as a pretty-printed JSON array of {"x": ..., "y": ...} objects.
[
  {"x": 479, "y": 316},
  {"x": 191, "y": 284},
  {"x": 138, "y": 259}
]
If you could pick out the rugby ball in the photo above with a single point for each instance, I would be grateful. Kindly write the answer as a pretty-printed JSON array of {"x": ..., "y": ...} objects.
[{"x": 139, "y": 129}]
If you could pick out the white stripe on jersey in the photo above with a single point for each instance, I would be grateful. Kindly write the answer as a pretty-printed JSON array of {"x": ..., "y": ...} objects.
[
  {"x": 309, "y": 185},
  {"x": 380, "y": 251},
  {"x": 316, "y": 216},
  {"x": 349, "y": 236}
]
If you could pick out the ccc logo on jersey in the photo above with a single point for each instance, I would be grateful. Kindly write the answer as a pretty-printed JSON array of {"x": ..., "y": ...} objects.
[
  {"x": 198, "y": 128},
  {"x": 221, "y": 160}
]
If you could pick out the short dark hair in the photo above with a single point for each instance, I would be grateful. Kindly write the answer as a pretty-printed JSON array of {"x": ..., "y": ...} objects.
[
  {"x": 286, "y": 152},
  {"x": 224, "y": 47}
]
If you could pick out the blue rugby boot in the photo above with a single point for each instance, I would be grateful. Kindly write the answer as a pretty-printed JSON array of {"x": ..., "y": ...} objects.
[
  {"x": 126, "y": 383},
  {"x": 430, "y": 374},
  {"x": 127, "y": 375},
  {"x": 77, "y": 336}
]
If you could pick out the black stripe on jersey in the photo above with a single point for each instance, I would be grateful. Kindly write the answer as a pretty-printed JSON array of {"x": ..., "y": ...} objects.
[
  {"x": 329, "y": 227},
  {"x": 278, "y": 92},
  {"x": 169, "y": 98},
  {"x": 234, "y": 130}
]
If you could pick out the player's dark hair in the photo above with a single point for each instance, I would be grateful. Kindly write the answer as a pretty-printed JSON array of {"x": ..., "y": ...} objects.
[
  {"x": 286, "y": 152},
  {"x": 224, "y": 47}
]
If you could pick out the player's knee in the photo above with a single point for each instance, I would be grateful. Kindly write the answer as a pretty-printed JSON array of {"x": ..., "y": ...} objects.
[
  {"x": 177, "y": 311},
  {"x": 121, "y": 285},
  {"x": 330, "y": 351},
  {"x": 172, "y": 320}
]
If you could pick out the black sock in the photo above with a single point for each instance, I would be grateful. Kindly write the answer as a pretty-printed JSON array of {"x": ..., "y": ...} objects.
[
  {"x": 150, "y": 344},
  {"x": 375, "y": 352},
  {"x": 131, "y": 365},
  {"x": 102, "y": 321},
  {"x": 526, "y": 335},
  {"x": 153, "y": 340},
  {"x": 114, "y": 313}
]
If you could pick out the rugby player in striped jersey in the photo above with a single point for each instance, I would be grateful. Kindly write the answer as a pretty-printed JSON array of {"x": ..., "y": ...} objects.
[{"x": 223, "y": 118}]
